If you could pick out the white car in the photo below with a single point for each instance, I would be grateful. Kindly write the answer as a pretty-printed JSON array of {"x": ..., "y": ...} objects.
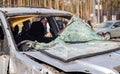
[
  {"x": 109, "y": 29},
  {"x": 76, "y": 49}
]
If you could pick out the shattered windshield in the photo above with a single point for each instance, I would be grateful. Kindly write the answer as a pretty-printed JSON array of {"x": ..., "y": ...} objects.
[{"x": 78, "y": 31}]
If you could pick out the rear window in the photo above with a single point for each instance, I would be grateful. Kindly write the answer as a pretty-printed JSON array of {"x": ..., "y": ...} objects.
[{"x": 105, "y": 25}]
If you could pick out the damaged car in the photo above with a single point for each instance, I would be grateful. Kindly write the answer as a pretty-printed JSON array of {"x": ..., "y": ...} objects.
[{"x": 33, "y": 42}]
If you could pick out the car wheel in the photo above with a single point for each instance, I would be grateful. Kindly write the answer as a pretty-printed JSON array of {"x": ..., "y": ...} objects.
[{"x": 107, "y": 36}]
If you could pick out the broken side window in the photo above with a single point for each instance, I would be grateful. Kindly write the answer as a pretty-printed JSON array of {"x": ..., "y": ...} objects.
[{"x": 1, "y": 37}]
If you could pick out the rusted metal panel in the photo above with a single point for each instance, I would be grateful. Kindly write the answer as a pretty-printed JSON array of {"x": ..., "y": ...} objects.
[
  {"x": 4, "y": 64},
  {"x": 81, "y": 65},
  {"x": 20, "y": 64}
]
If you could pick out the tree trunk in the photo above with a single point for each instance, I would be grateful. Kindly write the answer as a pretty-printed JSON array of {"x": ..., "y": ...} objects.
[
  {"x": 20, "y": 2},
  {"x": 57, "y": 4},
  {"x": 81, "y": 9},
  {"x": 50, "y": 3},
  {"x": 62, "y": 4},
  {"x": 45, "y": 3},
  {"x": 77, "y": 7},
  {"x": 71, "y": 6}
]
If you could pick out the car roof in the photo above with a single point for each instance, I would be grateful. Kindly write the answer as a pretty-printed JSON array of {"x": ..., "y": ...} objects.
[{"x": 26, "y": 10}]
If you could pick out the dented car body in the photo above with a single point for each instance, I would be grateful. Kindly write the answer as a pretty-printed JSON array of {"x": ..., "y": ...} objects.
[{"x": 28, "y": 46}]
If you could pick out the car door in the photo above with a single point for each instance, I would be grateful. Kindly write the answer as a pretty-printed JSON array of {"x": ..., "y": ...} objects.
[
  {"x": 4, "y": 56},
  {"x": 115, "y": 30}
]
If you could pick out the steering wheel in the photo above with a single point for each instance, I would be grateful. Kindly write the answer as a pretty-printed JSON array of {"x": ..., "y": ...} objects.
[{"x": 25, "y": 45}]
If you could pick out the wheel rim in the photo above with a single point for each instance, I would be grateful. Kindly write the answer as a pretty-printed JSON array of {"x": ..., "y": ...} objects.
[{"x": 107, "y": 36}]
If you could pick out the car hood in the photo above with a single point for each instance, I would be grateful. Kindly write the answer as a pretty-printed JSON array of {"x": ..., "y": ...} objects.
[
  {"x": 71, "y": 51},
  {"x": 104, "y": 63},
  {"x": 101, "y": 29}
]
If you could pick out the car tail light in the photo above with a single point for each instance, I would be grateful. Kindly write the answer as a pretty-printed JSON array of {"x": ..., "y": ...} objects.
[{"x": 103, "y": 33}]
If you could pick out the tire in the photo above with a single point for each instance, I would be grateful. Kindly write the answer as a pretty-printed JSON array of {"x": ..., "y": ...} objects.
[{"x": 107, "y": 36}]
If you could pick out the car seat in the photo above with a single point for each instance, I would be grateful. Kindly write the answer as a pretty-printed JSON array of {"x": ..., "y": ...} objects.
[{"x": 37, "y": 31}]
